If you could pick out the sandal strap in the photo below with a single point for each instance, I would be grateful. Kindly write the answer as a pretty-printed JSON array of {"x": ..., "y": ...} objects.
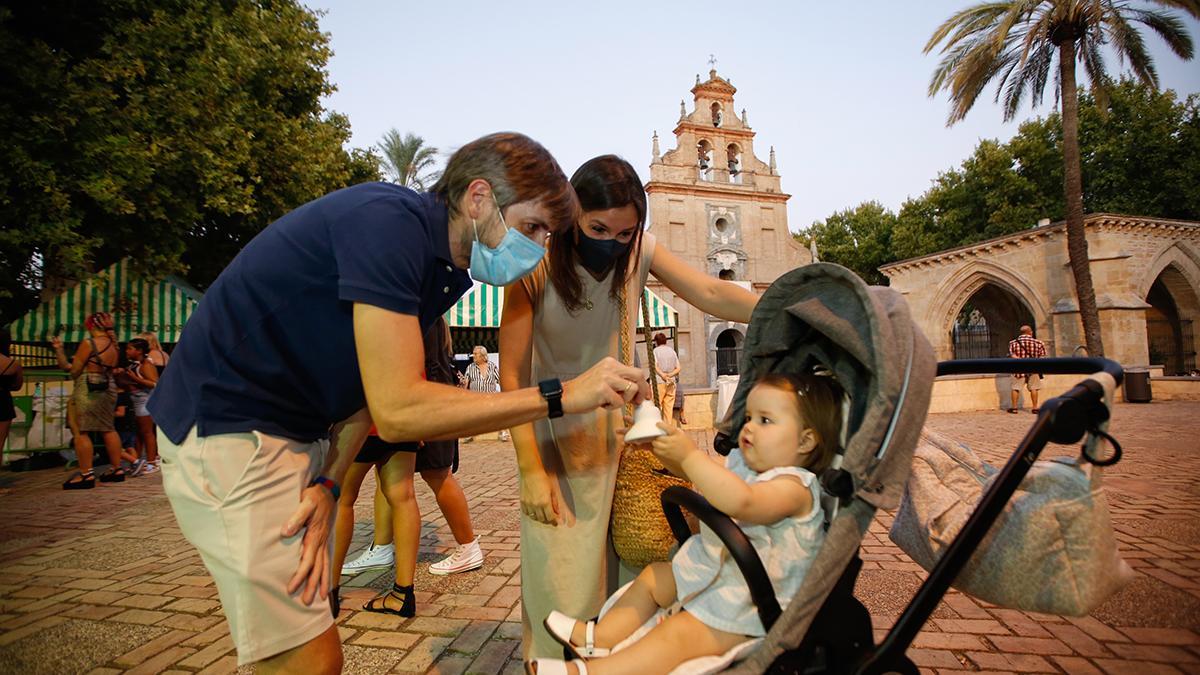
[{"x": 589, "y": 633}]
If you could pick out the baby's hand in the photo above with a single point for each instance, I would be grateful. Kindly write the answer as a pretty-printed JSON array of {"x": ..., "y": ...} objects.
[{"x": 673, "y": 447}]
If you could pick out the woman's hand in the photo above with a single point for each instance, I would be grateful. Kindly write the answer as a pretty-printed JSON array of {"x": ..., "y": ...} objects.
[
  {"x": 56, "y": 342},
  {"x": 542, "y": 500}
]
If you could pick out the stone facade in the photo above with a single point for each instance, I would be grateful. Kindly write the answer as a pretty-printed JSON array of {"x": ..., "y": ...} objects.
[
  {"x": 1146, "y": 273},
  {"x": 720, "y": 208}
]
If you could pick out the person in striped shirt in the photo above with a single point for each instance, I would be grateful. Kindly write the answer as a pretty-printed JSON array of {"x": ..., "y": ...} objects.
[
  {"x": 1026, "y": 347},
  {"x": 482, "y": 376}
]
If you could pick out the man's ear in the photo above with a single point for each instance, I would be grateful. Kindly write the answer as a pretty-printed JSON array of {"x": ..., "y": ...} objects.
[
  {"x": 808, "y": 441},
  {"x": 477, "y": 199}
]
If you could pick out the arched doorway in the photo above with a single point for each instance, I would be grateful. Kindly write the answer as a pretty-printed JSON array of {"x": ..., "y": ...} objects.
[
  {"x": 987, "y": 321},
  {"x": 1170, "y": 333},
  {"x": 729, "y": 351}
]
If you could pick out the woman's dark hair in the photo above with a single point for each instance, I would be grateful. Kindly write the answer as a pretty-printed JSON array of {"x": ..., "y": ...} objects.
[
  {"x": 141, "y": 345},
  {"x": 601, "y": 183},
  {"x": 5, "y": 341},
  {"x": 819, "y": 401}
]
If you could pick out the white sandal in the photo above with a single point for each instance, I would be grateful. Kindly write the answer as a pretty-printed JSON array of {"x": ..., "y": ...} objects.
[
  {"x": 560, "y": 625},
  {"x": 553, "y": 667}
]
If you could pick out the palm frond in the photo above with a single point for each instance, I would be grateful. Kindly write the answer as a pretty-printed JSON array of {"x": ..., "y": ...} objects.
[{"x": 1169, "y": 27}]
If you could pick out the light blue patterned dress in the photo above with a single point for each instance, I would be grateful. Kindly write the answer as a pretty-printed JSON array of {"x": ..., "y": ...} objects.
[{"x": 787, "y": 548}]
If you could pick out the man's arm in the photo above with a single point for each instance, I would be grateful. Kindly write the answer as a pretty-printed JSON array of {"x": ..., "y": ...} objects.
[{"x": 406, "y": 407}]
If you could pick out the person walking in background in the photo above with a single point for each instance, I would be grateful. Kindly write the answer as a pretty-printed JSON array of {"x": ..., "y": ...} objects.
[
  {"x": 95, "y": 399},
  {"x": 140, "y": 377},
  {"x": 156, "y": 355},
  {"x": 482, "y": 376},
  {"x": 12, "y": 378},
  {"x": 1025, "y": 346},
  {"x": 666, "y": 362}
]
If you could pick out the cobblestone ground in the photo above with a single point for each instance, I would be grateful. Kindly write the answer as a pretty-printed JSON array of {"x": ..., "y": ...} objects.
[{"x": 102, "y": 581}]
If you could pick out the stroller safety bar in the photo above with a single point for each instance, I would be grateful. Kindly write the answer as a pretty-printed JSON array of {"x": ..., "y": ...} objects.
[{"x": 735, "y": 541}]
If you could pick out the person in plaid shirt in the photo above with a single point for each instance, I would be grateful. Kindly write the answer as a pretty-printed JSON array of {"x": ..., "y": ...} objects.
[{"x": 1026, "y": 347}]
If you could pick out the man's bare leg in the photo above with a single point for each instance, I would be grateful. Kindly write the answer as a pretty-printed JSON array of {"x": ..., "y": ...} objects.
[{"x": 321, "y": 655}]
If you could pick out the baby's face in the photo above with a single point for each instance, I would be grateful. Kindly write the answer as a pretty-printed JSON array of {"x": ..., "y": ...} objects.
[{"x": 771, "y": 430}]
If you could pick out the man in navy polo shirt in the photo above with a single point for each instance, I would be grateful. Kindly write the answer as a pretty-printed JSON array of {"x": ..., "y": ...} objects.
[{"x": 312, "y": 334}]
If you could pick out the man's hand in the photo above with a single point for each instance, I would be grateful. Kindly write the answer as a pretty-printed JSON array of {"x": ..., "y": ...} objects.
[
  {"x": 542, "y": 500},
  {"x": 315, "y": 515},
  {"x": 608, "y": 384}
]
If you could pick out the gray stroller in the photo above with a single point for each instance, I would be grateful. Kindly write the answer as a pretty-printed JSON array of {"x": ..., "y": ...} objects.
[{"x": 823, "y": 315}]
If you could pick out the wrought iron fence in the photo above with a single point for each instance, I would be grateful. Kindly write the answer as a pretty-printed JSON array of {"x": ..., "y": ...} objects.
[
  {"x": 973, "y": 342},
  {"x": 727, "y": 360},
  {"x": 1176, "y": 352}
]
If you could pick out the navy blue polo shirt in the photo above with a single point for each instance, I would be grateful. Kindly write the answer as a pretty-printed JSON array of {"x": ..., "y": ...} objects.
[{"x": 270, "y": 347}]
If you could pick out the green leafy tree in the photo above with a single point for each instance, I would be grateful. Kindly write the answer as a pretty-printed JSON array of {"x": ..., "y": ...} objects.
[
  {"x": 858, "y": 238},
  {"x": 1016, "y": 44},
  {"x": 171, "y": 131},
  {"x": 408, "y": 160}
]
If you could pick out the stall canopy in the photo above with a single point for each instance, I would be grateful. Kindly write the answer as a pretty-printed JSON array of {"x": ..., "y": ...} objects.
[
  {"x": 482, "y": 306},
  {"x": 137, "y": 305}
]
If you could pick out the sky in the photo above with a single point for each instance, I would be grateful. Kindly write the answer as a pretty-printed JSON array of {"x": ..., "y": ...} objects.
[{"x": 838, "y": 88}]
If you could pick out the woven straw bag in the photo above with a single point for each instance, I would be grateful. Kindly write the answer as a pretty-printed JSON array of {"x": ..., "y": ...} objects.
[{"x": 640, "y": 532}]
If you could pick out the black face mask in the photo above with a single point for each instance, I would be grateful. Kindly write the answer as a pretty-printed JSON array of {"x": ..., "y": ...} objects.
[{"x": 598, "y": 255}]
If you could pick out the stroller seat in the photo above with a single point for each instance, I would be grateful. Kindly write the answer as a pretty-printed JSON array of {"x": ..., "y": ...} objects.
[{"x": 823, "y": 315}]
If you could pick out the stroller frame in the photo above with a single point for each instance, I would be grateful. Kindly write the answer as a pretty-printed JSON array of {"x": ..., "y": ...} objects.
[{"x": 840, "y": 638}]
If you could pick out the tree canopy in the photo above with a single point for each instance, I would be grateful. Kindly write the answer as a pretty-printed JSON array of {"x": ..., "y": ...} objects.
[
  {"x": 171, "y": 131},
  {"x": 1140, "y": 156}
]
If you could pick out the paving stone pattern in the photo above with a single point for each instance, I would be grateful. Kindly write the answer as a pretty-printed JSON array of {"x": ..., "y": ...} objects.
[{"x": 101, "y": 581}]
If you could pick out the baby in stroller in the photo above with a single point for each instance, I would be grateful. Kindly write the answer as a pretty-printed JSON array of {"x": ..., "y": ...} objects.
[{"x": 769, "y": 485}]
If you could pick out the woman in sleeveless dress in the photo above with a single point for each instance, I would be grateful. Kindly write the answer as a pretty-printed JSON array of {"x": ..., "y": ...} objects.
[
  {"x": 11, "y": 379},
  {"x": 95, "y": 398},
  {"x": 557, "y": 322}
]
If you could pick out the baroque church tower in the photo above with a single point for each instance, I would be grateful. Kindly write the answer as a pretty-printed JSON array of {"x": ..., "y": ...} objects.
[{"x": 720, "y": 208}]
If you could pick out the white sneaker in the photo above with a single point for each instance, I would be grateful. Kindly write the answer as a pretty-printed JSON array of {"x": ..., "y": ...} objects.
[
  {"x": 374, "y": 557},
  {"x": 466, "y": 557},
  {"x": 148, "y": 468},
  {"x": 504, "y": 435}
]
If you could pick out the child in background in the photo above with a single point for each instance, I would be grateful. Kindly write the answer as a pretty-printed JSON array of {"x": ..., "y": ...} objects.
[{"x": 769, "y": 485}]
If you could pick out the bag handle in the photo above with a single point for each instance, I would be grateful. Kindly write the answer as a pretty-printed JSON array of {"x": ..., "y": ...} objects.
[{"x": 626, "y": 339}]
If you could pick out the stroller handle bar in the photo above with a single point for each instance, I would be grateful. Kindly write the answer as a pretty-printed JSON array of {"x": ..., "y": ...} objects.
[
  {"x": 735, "y": 541},
  {"x": 1050, "y": 366}
]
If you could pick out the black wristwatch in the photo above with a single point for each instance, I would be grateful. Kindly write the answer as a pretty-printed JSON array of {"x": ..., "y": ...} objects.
[{"x": 552, "y": 391}]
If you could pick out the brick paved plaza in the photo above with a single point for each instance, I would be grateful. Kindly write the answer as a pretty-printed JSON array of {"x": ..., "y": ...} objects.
[{"x": 101, "y": 581}]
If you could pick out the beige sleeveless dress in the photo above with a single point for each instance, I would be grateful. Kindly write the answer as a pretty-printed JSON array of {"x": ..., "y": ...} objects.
[{"x": 573, "y": 569}]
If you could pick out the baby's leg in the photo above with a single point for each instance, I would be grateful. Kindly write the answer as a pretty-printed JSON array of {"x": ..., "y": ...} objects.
[
  {"x": 653, "y": 588},
  {"x": 680, "y": 638}
]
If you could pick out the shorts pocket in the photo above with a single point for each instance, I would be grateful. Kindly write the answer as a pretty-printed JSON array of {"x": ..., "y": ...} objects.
[{"x": 225, "y": 460}]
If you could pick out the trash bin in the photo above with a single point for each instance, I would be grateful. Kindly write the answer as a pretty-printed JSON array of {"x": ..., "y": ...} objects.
[{"x": 1137, "y": 385}]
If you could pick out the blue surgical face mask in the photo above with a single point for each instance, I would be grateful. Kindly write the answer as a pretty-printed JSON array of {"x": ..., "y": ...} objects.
[{"x": 516, "y": 256}]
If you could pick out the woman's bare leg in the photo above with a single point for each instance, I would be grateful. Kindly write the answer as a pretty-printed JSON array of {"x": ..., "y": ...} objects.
[
  {"x": 397, "y": 479},
  {"x": 148, "y": 438},
  {"x": 452, "y": 501},
  {"x": 383, "y": 514},
  {"x": 343, "y": 529}
]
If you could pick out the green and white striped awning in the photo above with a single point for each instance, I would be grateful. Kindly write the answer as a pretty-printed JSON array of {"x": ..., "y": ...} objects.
[
  {"x": 482, "y": 306},
  {"x": 137, "y": 305}
]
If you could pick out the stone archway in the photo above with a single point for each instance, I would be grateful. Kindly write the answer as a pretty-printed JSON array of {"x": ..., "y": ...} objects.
[
  {"x": 986, "y": 322},
  {"x": 996, "y": 302},
  {"x": 728, "y": 351},
  {"x": 1171, "y": 322}
]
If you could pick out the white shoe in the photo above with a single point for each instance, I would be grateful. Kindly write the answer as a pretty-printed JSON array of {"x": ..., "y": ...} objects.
[
  {"x": 504, "y": 435},
  {"x": 374, "y": 557},
  {"x": 148, "y": 468},
  {"x": 466, "y": 557}
]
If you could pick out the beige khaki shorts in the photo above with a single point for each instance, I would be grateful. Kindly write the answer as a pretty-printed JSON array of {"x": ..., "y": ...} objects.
[
  {"x": 1031, "y": 382},
  {"x": 231, "y": 494}
]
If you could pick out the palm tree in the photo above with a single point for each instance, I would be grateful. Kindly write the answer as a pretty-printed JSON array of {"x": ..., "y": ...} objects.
[
  {"x": 408, "y": 160},
  {"x": 1016, "y": 42}
]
